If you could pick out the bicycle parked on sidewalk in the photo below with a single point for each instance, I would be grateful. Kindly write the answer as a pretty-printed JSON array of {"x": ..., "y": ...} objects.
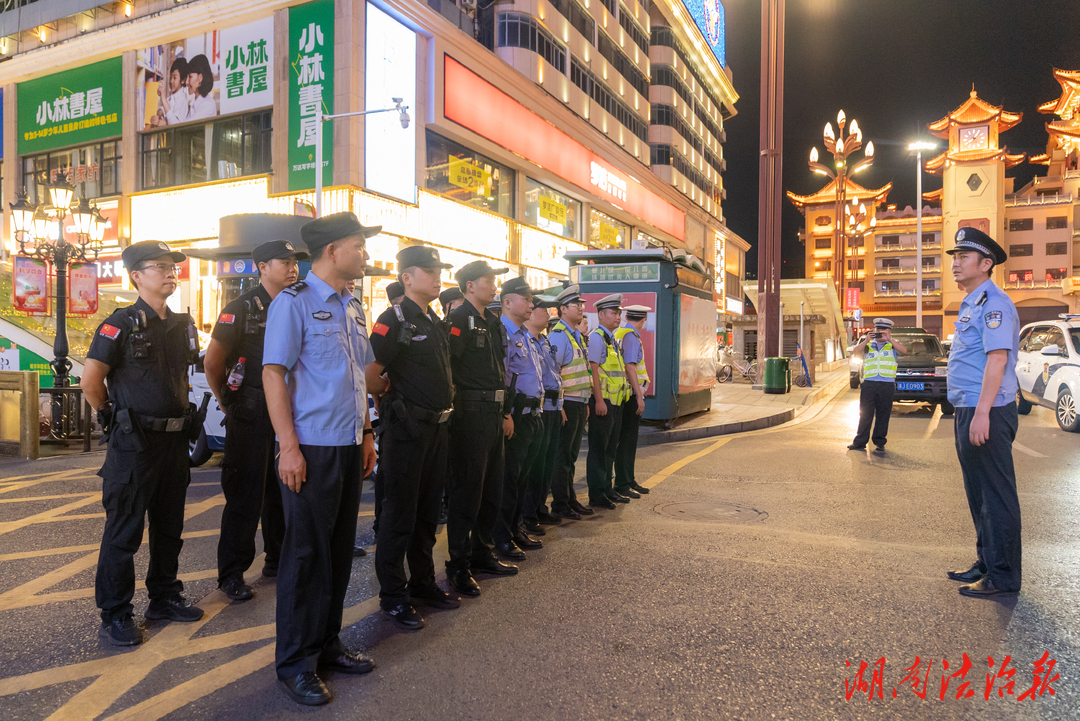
[{"x": 746, "y": 368}]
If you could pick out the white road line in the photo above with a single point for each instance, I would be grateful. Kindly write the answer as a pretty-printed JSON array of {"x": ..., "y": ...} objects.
[{"x": 1025, "y": 449}]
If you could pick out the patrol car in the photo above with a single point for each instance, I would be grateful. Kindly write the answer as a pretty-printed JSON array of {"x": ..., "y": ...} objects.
[
  {"x": 1048, "y": 369},
  {"x": 212, "y": 437}
]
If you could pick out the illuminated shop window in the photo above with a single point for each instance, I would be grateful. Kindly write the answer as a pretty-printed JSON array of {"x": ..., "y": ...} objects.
[
  {"x": 467, "y": 176},
  {"x": 230, "y": 147},
  {"x": 93, "y": 169},
  {"x": 550, "y": 210},
  {"x": 606, "y": 232}
]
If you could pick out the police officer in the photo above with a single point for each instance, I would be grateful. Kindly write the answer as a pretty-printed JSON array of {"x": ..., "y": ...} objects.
[
  {"x": 142, "y": 352},
  {"x": 410, "y": 344},
  {"x": 982, "y": 387},
  {"x": 609, "y": 392},
  {"x": 481, "y": 420},
  {"x": 394, "y": 292},
  {"x": 633, "y": 352},
  {"x": 878, "y": 384},
  {"x": 568, "y": 346},
  {"x": 314, "y": 356},
  {"x": 522, "y": 443},
  {"x": 248, "y": 479},
  {"x": 449, "y": 299},
  {"x": 535, "y": 513}
]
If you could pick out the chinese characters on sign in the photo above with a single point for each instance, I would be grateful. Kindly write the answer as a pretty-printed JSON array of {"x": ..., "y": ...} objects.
[
  {"x": 851, "y": 299},
  {"x": 311, "y": 85},
  {"x": 552, "y": 210},
  {"x": 30, "y": 289},
  {"x": 618, "y": 273},
  {"x": 70, "y": 107},
  {"x": 245, "y": 69},
  {"x": 607, "y": 181},
  {"x": 83, "y": 289},
  {"x": 464, "y": 173}
]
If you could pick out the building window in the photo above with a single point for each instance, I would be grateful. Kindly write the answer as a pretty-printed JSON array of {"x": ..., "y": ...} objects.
[
  {"x": 890, "y": 262},
  {"x": 1016, "y": 276},
  {"x": 854, "y": 264},
  {"x": 1057, "y": 248},
  {"x": 929, "y": 262},
  {"x": 579, "y": 17},
  {"x": 1056, "y": 273},
  {"x": 94, "y": 170},
  {"x": 1060, "y": 221},
  {"x": 1020, "y": 251},
  {"x": 929, "y": 239},
  {"x": 639, "y": 36},
  {"x": 930, "y": 285},
  {"x": 467, "y": 176},
  {"x": 623, "y": 65},
  {"x": 663, "y": 35},
  {"x": 888, "y": 241},
  {"x": 890, "y": 286},
  {"x": 822, "y": 266},
  {"x": 550, "y": 210},
  {"x": 732, "y": 286},
  {"x": 611, "y": 6},
  {"x": 595, "y": 88},
  {"x": 517, "y": 30},
  {"x": 861, "y": 285},
  {"x": 225, "y": 148},
  {"x": 1021, "y": 224},
  {"x": 662, "y": 154},
  {"x": 822, "y": 243},
  {"x": 606, "y": 232}
]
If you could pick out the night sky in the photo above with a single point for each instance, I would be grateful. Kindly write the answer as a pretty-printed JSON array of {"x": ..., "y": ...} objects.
[{"x": 894, "y": 65}]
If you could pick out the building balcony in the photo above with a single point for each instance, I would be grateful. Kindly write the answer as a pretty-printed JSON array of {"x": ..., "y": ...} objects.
[
  {"x": 1035, "y": 284},
  {"x": 905, "y": 270},
  {"x": 1071, "y": 285},
  {"x": 906, "y": 293},
  {"x": 1014, "y": 201},
  {"x": 906, "y": 245}
]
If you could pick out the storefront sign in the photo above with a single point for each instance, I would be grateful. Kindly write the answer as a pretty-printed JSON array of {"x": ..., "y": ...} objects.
[
  {"x": 607, "y": 181},
  {"x": 390, "y": 72},
  {"x": 83, "y": 289},
  {"x": 628, "y": 273},
  {"x": 31, "y": 288},
  {"x": 709, "y": 17},
  {"x": 311, "y": 85},
  {"x": 546, "y": 251},
  {"x": 75, "y": 106},
  {"x": 851, "y": 299},
  {"x": 552, "y": 210},
  {"x": 110, "y": 270},
  {"x": 468, "y": 175}
]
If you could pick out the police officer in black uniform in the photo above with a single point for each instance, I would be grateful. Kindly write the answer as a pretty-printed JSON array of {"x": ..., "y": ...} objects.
[
  {"x": 449, "y": 299},
  {"x": 410, "y": 346},
  {"x": 142, "y": 352},
  {"x": 248, "y": 478}
]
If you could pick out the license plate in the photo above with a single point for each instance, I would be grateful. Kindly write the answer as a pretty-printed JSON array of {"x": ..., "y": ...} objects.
[{"x": 910, "y": 386}]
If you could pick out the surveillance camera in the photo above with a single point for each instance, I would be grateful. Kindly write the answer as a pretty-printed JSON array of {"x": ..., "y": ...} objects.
[
  {"x": 397, "y": 101},
  {"x": 404, "y": 119}
]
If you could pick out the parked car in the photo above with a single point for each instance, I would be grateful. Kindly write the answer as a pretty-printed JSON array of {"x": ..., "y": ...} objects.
[
  {"x": 921, "y": 373},
  {"x": 1048, "y": 369},
  {"x": 212, "y": 437}
]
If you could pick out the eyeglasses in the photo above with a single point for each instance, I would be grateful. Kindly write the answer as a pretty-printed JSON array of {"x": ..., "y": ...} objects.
[{"x": 163, "y": 268}]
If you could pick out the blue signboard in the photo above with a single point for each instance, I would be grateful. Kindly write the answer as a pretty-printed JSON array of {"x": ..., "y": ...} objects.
[
  {"x": 237, "y": 267},
  {"x": 709, "y": 17}
]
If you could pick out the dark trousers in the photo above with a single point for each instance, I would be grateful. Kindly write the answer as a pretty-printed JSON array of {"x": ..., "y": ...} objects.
[
  {"x": 521, "y": 450},
  {"x": 626, "y": 452},
  {"x": 250, "y": 485},
  {"x": 413, "y": 465},
  {"x": 476, "y": 484},
  {"x": 539, "y": 481},
  {"x": 603, "y": 438},
  {"x": 990, "y": 484},
  {"x": 567, "y": 446},
  {"x": 875, "y": 406},
  {"x": 377, "y": 491},
  {"x": 139, "y": 484}
]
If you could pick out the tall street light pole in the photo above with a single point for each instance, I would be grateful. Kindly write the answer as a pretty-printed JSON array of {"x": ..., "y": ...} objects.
[
  {"x": 918, "y": 147},
  {"x": 769, "y": 179}
]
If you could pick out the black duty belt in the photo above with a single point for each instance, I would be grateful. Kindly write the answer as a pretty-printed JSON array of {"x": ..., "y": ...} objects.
[
  {"x": 251, "y": 392},
  {"x": 431, "y": 416},
  {"x": 523, "y": 401},
  {"x": 167, "y": 425},
  {"x": 553, "y": 395},
  {"x": 482, "y": 396}
]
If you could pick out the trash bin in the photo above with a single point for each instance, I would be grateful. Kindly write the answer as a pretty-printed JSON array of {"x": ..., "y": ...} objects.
[{"x": 777, "y": 376}]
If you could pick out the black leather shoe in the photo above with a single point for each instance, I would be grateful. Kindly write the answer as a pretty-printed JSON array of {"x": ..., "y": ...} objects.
[
  {"x": 121, "y": 631},
  {"x": 463, "y": 582},
  {"x": 534, "y": 529},
  {"x": 493, "y": 566},
  {"x": 639, "y": 488},
  {"x": 435, "y": 597},
  {"x": 984, "y": 588},
  {"x": 358, "y": 550},
  {"x": 524, "y": 540},
  {"x": 510, "y": 550},
  {"x": 405, "y": 616},
  {"x": 235, "y": 588},
  {"x": 307, "y": 689},
  {"x": 856, "y": 447},
  {"x": 971, "y": 575},
  {"x": 348, "y": 662},
  {"x": 568, "y": 514},
  {"x": 602, "y": 503},
  {"x": 269, "y": 569},
  {"x": 176, "y": 608},
  {"x": 880, "y": 450},
  {"x": 627, "y": 492},
  {"x": 616, "y": 497},
  {"x": 547, "y": 519},
  {"x": 581, "y": 508}
]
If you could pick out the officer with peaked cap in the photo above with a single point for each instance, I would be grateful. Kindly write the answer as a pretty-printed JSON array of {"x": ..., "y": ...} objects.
[
  {"x": 534, "y": 511},
  {"x": 610, "y": 391},
  {"x": 314, "y": 356},
  {"x": 878, "y": 384},
  {"x": 142, "y": 352},
  {"x": 633, "y": 352},
  {"x": 449, "y": 299},
  {"x": 248, "y": 478},
  {"x": 982, "y": 388}
]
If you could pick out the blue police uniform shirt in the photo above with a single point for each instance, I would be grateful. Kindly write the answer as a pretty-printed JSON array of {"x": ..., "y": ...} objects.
[
  {"x": 550, "y": 376},
  {"x": 563, "y": 352},
  {"x": 987, "y": 321},
  {"x": 877, "y": 346},
  {"x": 598, "y": 351},
  {"x": 632, "y": 352},
  {"x": 523, "y": 359},
  {"x": 321, "y": 338}
]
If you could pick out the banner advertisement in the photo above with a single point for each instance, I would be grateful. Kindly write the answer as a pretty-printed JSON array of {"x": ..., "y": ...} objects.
[
  {"x": 198, "y": 78},
  {"x": 110, "y": 269},
  {"x": 648, "y": 335},
  {"x": 72, "y": 107},
  {"x": 82, "y": 289},
  {"x": 311, "y": 84},
  {"x": 697, "y": 344},
  {"x": 30, "y": 287},
  {"x": 851, "y": 299}
]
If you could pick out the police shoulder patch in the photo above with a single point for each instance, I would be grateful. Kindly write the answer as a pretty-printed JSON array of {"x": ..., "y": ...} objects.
[
  {"x": 295, "y": 287},
  {"x": 380, "y": 329},
  {"x": 455, "y": 331},
  {"x": 227, "y": 318},
  {"x": 992, "y": 319},
  {"x": 109, "y": 331},
  {"x": 322, "y": 315}
]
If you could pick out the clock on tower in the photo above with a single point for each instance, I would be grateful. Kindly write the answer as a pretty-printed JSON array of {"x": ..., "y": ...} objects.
[{"x": 976, "y": 138}]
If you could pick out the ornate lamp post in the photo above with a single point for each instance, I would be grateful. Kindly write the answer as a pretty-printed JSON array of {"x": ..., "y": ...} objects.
[
  {"x": 857, "y": 227},
  {"x": 842, "y": 148}
]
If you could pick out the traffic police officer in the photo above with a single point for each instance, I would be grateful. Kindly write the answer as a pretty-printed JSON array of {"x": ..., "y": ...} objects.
[
  {"x": 142, "y": 352},
  {"x": 481, "y": 419},
  {"x": 568, "y": 345},
  {"x": 248, "y": 478},
  {"x": 314, "y": 355},
  {"x": 982, "y": 387},
  {"x": 535, "y": 513},
  {"x": 633, "y": 352},
  {"x": 410, "y": 344},
  {"x": 609, "y": 392},
  {"x": 878, "y": 384},
  {"x": 523, "y": 369}
]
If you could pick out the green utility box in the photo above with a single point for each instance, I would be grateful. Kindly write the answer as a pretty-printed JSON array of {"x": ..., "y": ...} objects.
[{"x": 777, "y": 376}]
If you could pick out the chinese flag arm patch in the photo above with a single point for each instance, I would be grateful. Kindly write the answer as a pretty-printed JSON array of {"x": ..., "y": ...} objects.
[
  {"x": 455, "y": 331},
  {"x": 109, "y": 331},
  {"x": 227, "y": 318},
  {"x": 380, "y": 329}
]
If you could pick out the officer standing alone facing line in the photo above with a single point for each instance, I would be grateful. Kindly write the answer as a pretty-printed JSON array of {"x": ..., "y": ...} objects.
[
  {"x": 143, "y": 351},
  {"x": 609, "y": 392},
  {"x": 248, "y": 478},
  {"x": 314, "y": 355},
  {"x": 982, "y": 387},
  {"x": 878, "y": 385},
  {"x": 633, "y": 352}
]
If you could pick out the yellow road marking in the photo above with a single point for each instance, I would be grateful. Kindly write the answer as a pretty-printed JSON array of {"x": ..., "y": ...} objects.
[
  {"x": 45, "y": 516},
  {"x": 91, "y": 547},
  {"x": 659, "y": 477},
  {"x": 49, "y": 498}
]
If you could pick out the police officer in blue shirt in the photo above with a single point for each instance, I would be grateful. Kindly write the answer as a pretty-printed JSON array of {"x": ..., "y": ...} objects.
[
  {"x": 982, "y": 387},
  {"x": 314, "y": 356},
  {"x": 534, "y": 509},
  {"x": 634, "y": 357}
]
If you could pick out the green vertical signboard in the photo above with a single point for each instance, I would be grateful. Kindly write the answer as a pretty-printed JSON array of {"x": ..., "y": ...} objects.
[
  {"x": 72, "y": 107},
  {"x": 311, "y": 85}
]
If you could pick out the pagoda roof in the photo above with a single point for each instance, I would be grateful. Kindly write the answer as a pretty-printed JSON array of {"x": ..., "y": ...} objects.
[
  {"x": 975, "y": 110},
  {"x": 933, "y": 196},
  {"x": 934, "y": 166},
  {"x": 828, "y": 194},
  {"x": 1041, "y": 159},
  {"x": 1060, "y": 127},
  {"x": 1065, "y": 105}
]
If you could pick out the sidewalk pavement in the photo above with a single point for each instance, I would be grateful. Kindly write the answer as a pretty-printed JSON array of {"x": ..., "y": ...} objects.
[{"x": 737, "y": 407}]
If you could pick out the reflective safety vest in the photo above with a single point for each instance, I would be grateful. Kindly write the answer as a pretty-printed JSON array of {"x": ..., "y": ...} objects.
[
  {"x": 642, "y": 372},
  {"x": 576, "y": 378},
  {"x": 613, "y": 384},
  {"x": 880, "y": 363}
]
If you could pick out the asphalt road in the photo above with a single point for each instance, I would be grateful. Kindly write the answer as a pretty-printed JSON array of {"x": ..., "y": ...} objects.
[{"x": 741, "y": 587}]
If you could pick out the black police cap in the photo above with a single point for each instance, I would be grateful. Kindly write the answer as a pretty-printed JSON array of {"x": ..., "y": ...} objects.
[
  {"x": 422, "y": 256},
  {"x": 449, "y": 295},
  {"x": 330, "y": 228},
  {"x": 142, "y": 251},
  {"x": 394, "y": 290},
  {"x": 276, "y": 249},
  {"x": 518, "y": 286},
  {"x": 975, "y": 239},
  {"x": 476, "y": 270}
]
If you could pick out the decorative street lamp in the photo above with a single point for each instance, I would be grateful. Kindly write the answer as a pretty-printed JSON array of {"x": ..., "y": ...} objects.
[
  {"x": 857, "y": 227},
  {"x": 842, "y": 147}
]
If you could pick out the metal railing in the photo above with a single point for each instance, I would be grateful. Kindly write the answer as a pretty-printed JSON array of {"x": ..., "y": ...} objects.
[
  {"x": 907, "y": 245},
  {"x": 75, "y": 414},
  {"x": 906, "y": 270},
  {"x": 1031, "y": 284},
  {"x": 19, "y": 429},
  {"x": 905, "y": 292},
  {"x": 1012, "y": 201}
]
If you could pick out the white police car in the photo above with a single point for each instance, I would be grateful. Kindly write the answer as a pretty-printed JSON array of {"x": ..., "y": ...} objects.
[
  {"x": 212, "y": 437},
  {"x": 1048, "y": 369}
]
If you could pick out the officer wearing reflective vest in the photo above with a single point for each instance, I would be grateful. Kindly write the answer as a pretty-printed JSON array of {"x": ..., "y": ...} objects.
[
  {"x": 142, "y": 352},
  {"x": 610, "y": 391},
  {"x": 878, "y": 384},
  {"x": 633, "y": 352}
]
